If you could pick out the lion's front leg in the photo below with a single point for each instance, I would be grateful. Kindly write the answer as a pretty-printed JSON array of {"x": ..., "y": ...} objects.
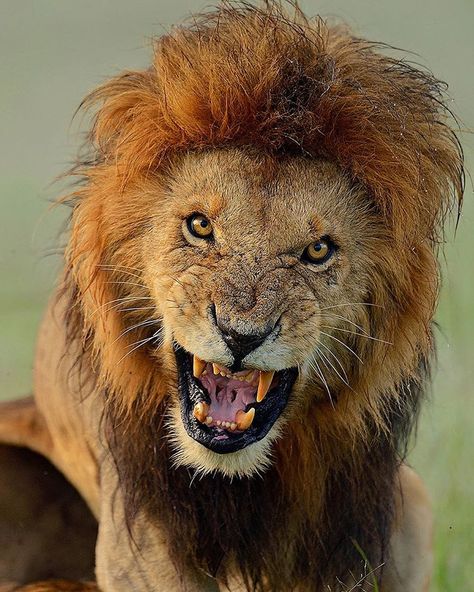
[
  {"x": 140, "y": 562},
  {"x": 411, "y": 556}
]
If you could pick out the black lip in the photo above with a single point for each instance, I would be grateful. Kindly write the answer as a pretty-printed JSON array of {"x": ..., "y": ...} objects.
[{"x": 266, "y": 412}]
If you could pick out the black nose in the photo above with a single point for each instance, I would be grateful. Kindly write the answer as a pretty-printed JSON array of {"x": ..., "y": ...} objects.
[{"x": 240, "y": 344}]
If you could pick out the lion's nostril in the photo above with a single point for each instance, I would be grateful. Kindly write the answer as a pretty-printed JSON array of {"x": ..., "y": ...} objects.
[{"x": 239, "y": 343}]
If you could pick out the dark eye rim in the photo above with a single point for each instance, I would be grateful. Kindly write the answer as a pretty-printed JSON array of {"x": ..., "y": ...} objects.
[
  {"x": 332, "y": 248},
  {"x": 190, "y": 228}
]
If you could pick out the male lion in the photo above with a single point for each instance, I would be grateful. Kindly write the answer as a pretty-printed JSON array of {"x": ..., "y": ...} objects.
[{"x": 232, "y": 365}]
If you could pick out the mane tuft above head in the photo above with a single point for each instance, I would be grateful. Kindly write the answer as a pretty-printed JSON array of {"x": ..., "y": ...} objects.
[{"x": 259, "y": 76}]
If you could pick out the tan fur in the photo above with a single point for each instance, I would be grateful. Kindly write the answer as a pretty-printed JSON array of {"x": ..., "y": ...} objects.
[
  {"x": 280, "y": 130},
  {"x": 412, "y": 540}
]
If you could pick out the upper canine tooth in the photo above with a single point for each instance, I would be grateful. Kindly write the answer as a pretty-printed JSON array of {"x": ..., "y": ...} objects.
[
  {"x": 264, "y": 382},
  {"x": 216, "y": 369},
  {"x": 198, "y": 366},
  {"x": 201, "y": 411},
  {"x": 244, "y": 420}
]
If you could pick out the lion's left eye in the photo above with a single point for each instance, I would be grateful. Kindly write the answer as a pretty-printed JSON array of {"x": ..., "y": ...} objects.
[
  {"x": 319, "y": 251},
  {"x": 199, "y": 226}
]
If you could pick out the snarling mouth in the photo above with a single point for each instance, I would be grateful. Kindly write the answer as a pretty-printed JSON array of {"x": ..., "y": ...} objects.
[{"x": 227, "y": 411}]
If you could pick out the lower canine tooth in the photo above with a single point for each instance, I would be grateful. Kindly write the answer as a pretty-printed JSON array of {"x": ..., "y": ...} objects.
[
  {"x": 198, "y": 366},
  {"x": 264, "y": 382},
  {"x": 200, "y": 411},
  {"x": 244, "y": 420}
]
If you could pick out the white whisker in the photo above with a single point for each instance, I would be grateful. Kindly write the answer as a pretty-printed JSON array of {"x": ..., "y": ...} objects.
[
  {"x": 340, "y": 317},
  {"x": 140, "y": 343},
  {"x": 343, "y": 344},
  {"x": 326, "y": 361},
  {"x": 136, "y": 308},
  {"x": 146, "y": 323},
  {"x": 120, "y": 301},
  {"x": 355, "y": 333},
  {"x": 319, "y": 373},
  {"x": 351, "y": 304},
  {"x": 121, "y": 269},
  {"x": 329, "y": 350},
  {"x": 127, "y": 284}
]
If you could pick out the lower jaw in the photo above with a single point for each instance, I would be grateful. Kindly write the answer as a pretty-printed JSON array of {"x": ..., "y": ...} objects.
[
  {"x": 201, "y": 460},
  {"x": 223, "y": 442}
]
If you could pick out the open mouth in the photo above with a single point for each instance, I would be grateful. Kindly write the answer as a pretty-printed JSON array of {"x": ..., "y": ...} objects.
[{"x": 227, "y": 411}]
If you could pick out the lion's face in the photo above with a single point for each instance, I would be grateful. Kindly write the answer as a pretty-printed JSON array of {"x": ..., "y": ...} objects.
[{"x": 254, "y": 267}]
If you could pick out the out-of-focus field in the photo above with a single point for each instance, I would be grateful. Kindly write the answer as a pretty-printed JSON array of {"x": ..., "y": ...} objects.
[
  {"x": 444, "y": 450},
  {"x": 54, "y": 52}
]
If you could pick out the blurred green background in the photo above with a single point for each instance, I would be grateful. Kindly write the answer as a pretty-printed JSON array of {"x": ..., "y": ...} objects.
[{"x": 52, "y": 52}]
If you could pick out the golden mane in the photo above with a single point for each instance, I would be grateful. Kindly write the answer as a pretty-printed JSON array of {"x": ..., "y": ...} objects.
[{"x": 260, "y": 78}]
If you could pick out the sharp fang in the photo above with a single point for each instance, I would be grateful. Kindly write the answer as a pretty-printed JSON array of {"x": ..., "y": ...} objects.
[
  {"x": 200, "y": 411},
  {"x": 264, "y": 382},
  {"x": 216, "y": 369},
  {"x": 198, "y": 366},
  {"x": 244, "y": 420}
]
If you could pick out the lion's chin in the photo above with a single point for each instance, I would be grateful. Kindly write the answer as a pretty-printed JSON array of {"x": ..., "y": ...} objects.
[
  {"x": 252, "y": 460},
  {"x": 227, "y": 412}
]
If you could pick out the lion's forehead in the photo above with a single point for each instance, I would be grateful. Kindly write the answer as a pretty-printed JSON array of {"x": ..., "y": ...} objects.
[{"x": 268, "y": 200}]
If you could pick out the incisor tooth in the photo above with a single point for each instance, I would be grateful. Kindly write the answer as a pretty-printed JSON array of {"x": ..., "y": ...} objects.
[
  {"x": 244, "y": 420},
  {"x": 233, "y": 426},
  {"x": 198, "y": 366},
  {"x": 264, "y": 382},
  {"x": 208, "y": 420},
  {"x": 200, "y": 411}
]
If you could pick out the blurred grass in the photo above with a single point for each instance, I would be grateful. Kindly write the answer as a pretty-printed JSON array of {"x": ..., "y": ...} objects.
[{"x": 443, "y": 453}]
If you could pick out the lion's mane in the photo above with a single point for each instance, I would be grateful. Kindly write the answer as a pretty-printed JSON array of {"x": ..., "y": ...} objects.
[{"x": 246, "y": 76}]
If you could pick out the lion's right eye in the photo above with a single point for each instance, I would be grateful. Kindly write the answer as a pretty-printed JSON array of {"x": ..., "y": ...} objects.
[{"x": 199, "y": 226}]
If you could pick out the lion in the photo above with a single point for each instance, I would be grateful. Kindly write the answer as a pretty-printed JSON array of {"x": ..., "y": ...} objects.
[{"x": 234, "y": 359}]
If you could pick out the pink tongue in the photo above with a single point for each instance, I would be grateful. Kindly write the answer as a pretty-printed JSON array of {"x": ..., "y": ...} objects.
[{"x": 228, "y": 396}]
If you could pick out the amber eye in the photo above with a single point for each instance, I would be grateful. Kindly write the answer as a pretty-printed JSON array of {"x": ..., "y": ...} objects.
[
  {"x": 319, "y": 251},
  {"x": 199, "y": 226}
]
